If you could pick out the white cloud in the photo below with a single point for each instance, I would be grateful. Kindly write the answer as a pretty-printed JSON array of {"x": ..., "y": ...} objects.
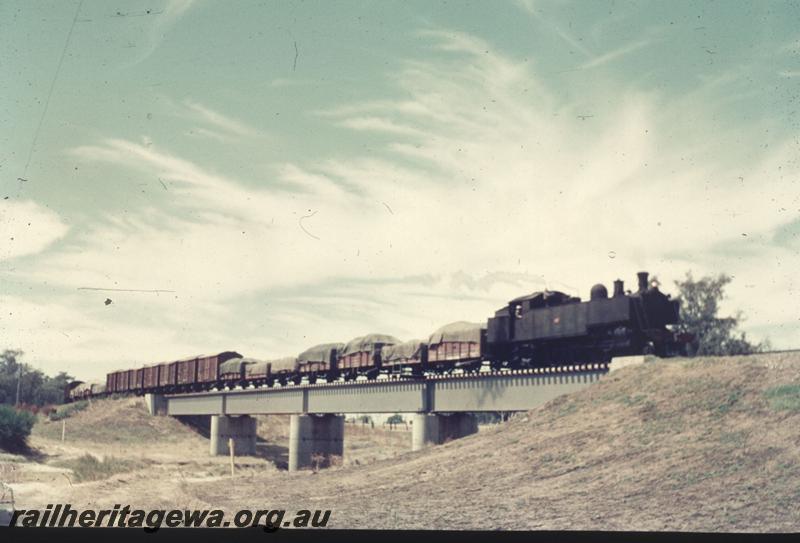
[
  {"x": 605, "y": 58},
  {"x": 495, "y": 186},
  {"x": 529, "y": 6},
  {"x": 27, "y": 228},
  {"x": 160, "y": 23},
  {"x": 224, "y": 122},
  {"x": 209, "y": 134},
  {"x": 518, "y": 176},
  {"x": 77, "y": 332}
]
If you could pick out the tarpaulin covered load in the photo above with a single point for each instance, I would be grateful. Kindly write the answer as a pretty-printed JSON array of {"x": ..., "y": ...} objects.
[
  {"x": 255, "y": 369},
  {"x": 456, "y": 341},
  {"x": 97, "y": 388},
  {"x": 358, "y": 353},
  {"x": 233, "y": 368},
  {"x": 86, "y": 390},
  {"x": 408, "y": 352},
  {"x": 283, "y": 365},
  {"x": 321, "y": 357},
  {"x": 81, "y": 390}
]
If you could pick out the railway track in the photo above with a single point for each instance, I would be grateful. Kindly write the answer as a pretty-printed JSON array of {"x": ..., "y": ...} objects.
[
  {"x": 568, "y": 369},
  {"x": 454, "y": 375}
]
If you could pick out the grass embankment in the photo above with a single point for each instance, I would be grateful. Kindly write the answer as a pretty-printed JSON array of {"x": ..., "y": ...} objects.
[{"x": 113, "y": 421}]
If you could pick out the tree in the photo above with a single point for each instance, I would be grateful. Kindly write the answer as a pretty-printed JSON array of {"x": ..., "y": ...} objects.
[
  {"x": 15, "y": 427},
  {"x": 713, "y": 335},
  {"x": 35, "y": 387},
  {"x": 397, "y": 418}
]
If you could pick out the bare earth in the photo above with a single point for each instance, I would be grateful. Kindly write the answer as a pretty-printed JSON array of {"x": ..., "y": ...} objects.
[{"x": 674, "y": 445}]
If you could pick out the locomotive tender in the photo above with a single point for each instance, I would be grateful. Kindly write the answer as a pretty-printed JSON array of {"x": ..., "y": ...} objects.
[{"x": 542, "y": 329}]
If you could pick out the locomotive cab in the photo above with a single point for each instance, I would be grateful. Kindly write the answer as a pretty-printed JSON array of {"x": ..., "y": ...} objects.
[{"x": 508, "y": 324}]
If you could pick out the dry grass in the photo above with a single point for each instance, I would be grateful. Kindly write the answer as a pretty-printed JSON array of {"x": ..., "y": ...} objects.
[
  {"x": 123, "y": 422},
  {"x": 704, "y": 445},
  {"x": 362, "y": 443},
  {"x": 67, "y": 410},
  {"x": 91, "y": 468},
  {"x": 675, "y": 445}
]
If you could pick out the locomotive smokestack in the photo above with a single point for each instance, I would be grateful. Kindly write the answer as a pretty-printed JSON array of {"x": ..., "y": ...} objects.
[
  {"x": 618, "y": 288},
  {"x": 642, "y": 281}
]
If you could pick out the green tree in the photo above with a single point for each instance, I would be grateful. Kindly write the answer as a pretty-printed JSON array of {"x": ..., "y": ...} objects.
[
  {"x": 35, "y": 388},
  {"x": 713, "y": 335},
  {"x": 15, "y": 427},
  {"x": 397, "y": 418}
]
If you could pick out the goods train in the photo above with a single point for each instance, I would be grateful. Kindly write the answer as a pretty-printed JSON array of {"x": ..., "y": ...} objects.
[{"x": 541, "y": 329}]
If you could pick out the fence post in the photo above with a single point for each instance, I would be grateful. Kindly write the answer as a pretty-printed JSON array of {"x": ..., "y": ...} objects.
[
  {"x": 230, "y": 448},
  {"x": 63, "y": 429}
]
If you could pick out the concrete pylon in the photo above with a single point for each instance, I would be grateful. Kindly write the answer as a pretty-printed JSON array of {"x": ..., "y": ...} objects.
[
  {"x": 241, "y": 429},
  {"x": 156, "y": 404},
  {"x": 619, "y": 362},
  {"x": 434, "y": 429},
  {"x": 315, "y": 438}
]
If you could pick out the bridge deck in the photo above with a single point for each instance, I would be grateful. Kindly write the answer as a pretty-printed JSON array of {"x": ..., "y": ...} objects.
[{"x": 515, "y": 391}]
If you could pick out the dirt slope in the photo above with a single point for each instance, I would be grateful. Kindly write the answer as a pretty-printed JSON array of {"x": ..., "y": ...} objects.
[
  {"x": 706, "y": 444},
  {"x": 703, "y": 444}
]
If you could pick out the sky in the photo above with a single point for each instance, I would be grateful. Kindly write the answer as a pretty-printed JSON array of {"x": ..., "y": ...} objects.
[{"x": 187, "y": 176}]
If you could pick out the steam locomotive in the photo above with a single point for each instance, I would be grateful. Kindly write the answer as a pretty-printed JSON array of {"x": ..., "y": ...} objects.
[
  {"x": 542, "y": 329},
  {"x": 550, "y": 326}
]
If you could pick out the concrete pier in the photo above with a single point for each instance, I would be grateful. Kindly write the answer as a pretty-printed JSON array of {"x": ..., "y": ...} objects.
[
  {"x": 242, "y": 429},
  {"x": 314, "y": 439},
  {"x": 156, "y": 404},
  {"x": 435, "y": 429},
  {"x": 619, "y": 362}
]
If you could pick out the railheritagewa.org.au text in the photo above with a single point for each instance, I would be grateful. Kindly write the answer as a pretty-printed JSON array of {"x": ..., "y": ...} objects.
[{"x": 64, "y": 516}]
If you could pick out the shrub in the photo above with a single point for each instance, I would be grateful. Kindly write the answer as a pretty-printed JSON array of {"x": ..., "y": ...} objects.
[
  {"x": 67, "y": 410},
  {"x": 15, "y": 427},
  {"x": 90, "y": 468}
]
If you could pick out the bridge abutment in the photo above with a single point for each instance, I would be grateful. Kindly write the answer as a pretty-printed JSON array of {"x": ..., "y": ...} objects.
[
  {"x": 314, "y": 440},
  {"x": 434, "y": 429},
  {"x": 156, "y": 404},
  {"x": 241, "y": 429}
]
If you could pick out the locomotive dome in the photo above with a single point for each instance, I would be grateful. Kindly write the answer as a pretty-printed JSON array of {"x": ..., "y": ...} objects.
[{"x": 599, "y": 291}]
